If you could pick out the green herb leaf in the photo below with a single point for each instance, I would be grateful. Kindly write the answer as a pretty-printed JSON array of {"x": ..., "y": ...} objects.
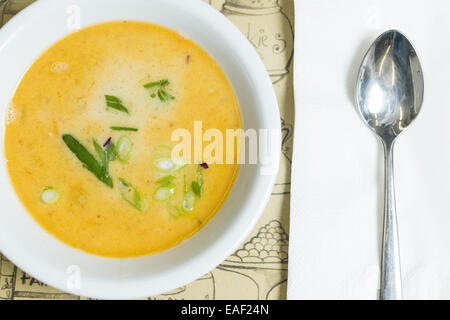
[
  {"x": 162, "y": 94},
  {"x": 100, "y": 151},
  {"x": 167, "y": 95},
  {"x": 103, "y": 157},
  {"x": 151, "y": 85},
  {"x": 115, "y": 103},
  {"x": 160, "y": 83},
  {"x": 123, "y": 129},
  {"x": 88, "y": 160},
  {"x": 196, "y": 189},
  {"x": 111, "y": 154}
]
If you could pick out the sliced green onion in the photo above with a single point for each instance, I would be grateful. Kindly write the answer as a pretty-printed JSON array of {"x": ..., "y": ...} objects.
[
  {"x": 143, "y": 204},
  {"x": 196, "y": 186},
  {"x": 169, "y": 165},
  {"x": 49, "y": 195},
  {"x": 196, "y": 189},
  {"x": 179, "y": 163},
  {"x": 132, "y": 196},
  {"x": 164, "y": 164},
  {"x": 200, "y": 180},
  {"x": 163, "y": 193},
  {"x": 166, "y": 181},
  {"x": 174, "y": 211},
  {"x": 123, "y": 129},
  {"x": 188, "y": 201},
  {"x": 123, "y": 148}
]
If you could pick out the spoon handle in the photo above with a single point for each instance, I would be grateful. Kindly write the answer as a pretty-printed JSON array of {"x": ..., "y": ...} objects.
[{"x": 391, "y": 282}]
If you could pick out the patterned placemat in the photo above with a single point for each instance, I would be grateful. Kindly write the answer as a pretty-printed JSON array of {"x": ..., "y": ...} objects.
[{"x": 258, "y": 270}]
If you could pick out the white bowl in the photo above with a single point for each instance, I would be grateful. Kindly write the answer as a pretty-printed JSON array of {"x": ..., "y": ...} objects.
[{"x": 31, "y": 248}]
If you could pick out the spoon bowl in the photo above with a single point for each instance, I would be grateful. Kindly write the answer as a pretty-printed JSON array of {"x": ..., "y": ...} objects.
[
  {"x": 390, "y": 86},
  {"x": 389, "y": 95}
]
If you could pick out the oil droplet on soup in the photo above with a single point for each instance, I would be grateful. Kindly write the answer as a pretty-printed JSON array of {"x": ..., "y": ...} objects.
[{"x": 88, "y": 148}]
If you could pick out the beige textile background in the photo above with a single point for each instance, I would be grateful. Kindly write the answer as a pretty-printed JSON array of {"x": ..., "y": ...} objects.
[{"x": 258, "y": 270}]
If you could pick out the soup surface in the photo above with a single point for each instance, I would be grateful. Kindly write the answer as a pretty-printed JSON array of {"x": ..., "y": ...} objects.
[{"x": 88, "y": 139}]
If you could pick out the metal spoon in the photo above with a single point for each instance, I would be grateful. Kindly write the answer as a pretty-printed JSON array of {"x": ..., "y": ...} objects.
[{"x": 389, "y": 94}]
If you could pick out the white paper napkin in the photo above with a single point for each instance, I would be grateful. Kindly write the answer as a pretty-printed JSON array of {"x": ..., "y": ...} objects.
[{"x": 337, "y": 178}]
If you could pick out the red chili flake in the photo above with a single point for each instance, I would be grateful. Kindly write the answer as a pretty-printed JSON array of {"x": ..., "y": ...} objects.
[
  {"x": 107, "y": 142},
  {"x": 204, "y": 165}
]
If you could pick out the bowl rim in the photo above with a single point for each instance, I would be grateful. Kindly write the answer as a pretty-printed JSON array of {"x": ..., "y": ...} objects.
[{"x": 264, "y": 87}]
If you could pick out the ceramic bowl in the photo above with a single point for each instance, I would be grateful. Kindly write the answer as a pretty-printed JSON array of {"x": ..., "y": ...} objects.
[{"x": 31, "y": 248}]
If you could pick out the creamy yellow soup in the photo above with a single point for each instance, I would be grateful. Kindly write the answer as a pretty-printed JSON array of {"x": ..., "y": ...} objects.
[{"x": 127, "y": 86}]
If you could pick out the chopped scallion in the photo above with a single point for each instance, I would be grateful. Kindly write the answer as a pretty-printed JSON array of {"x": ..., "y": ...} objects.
[
  {"x": 169, "y": 165},
  {"x": 123, "y": 148},
  {"x": 196, "y": 189},
  {"x": 164, "y": 193},
  {"x": 188, "y": 201},
  {"x": 164, "y": 165},
  {"x": 49, "y": 195},
  {"x": 166, "y": 181},
  {"x": 132, "y": 196},
  {"x": 174, "y": 211}
]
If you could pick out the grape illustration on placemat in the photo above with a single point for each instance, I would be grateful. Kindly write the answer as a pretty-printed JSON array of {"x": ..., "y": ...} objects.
[{"x": 262, "y": 258}]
